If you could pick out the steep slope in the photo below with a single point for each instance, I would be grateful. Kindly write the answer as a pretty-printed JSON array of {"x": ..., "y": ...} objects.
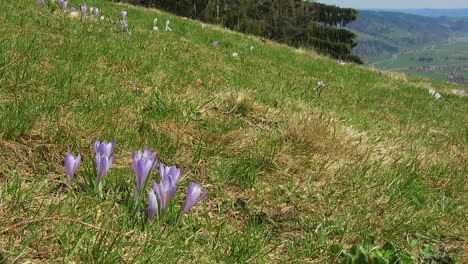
[{"x": 293, "y": 168}]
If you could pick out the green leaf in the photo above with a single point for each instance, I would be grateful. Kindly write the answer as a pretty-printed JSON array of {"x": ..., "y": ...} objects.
[
  {"x": 335, "y": 249},
  {"x": 380, "y": 260},
  {"x": 426, "y": 250},
  {"x": 414, "y": 242}
]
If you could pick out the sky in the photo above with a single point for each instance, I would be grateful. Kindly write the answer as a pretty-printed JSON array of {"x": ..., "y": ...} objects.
[{"x": 398, "y": 3}]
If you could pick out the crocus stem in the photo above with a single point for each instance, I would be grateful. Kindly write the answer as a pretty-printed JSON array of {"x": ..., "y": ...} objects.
[
  {"x": 100, "y": 189},
  {"x": 136, "y": 196}
]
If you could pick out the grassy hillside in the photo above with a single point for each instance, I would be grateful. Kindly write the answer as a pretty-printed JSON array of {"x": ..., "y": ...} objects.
[{"x": 295, "y": 173}]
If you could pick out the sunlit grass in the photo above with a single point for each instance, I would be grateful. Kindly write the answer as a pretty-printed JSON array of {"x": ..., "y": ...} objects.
[{"x": 291, "y": 173}]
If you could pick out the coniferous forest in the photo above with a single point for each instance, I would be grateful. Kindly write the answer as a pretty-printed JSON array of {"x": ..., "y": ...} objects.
[{"x": 294, "y": 22}]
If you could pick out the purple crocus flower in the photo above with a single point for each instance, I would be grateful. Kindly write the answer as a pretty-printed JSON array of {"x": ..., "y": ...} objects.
[
  {"x": 215, "y": 43},
  {"x": 153, "y": 205},
  {"x": 123, "y": 13},
  {"x": 42, "y": 2},
  {"x": 71, "y": 164},
  {"x": 165, "y": 191},
  {"x": 143, "y": 163},
  {"x": 84, "y": 8},
  {"x": 103, "y": 165},
  {"x": 63, "y": 4},
  {"x": 104, "y": 148},
  {"x": 72, "y": 9},
  {"x": 194, "y": 196},
  {"x": 103, "y": 160},
  {"x": 96, "y": 11},
  {"x": 124, "y": 24},
  {"x": 172, "y": 172}
]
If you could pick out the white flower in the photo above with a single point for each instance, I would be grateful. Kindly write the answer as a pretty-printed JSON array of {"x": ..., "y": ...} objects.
[
  {"x": 437, "y": 96},
  {"x": 235, "y": 54},
  {"x": 321, "y": 84},
  {"x": 251, "y": 47},
  {"x": 432, "y": 92},
  {"x": 167, "y": 26},
  {"x": 102, "y": 17},
  {"x": 155, "y": 28}
]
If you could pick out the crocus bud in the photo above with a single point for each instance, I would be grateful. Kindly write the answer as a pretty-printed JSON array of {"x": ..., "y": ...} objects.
[
  {"x": 103, "y": 166},
  {"x": 63, "y": 4},
  {"x": 123, "y": 13},
  {"x": 71, "y": 164},
  {"x": 153, "y": 205},
  {"x": 103, "y": 160},
  {"x": 84, "y": 8},
  {"x": 194, "y": 196},
  {"x": 167, "y": 26},
  {"x": 143, "y": 163}
]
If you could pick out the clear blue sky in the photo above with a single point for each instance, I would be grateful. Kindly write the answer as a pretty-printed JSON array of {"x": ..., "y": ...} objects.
[{"x": 398, "y": 3}]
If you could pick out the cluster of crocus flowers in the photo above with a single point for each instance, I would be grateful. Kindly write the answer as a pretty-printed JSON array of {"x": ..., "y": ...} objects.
[
  {"x": 143, "y": 163},
  {"x": 165, "y": 190},
  {"x": 435, "y": 94}
]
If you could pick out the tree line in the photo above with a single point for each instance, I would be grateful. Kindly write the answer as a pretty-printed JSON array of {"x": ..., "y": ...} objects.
[{"x": 294, "y": 22}]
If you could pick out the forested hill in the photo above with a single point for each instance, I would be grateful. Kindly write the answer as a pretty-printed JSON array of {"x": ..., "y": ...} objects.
[{"x": 385, "y": 33}]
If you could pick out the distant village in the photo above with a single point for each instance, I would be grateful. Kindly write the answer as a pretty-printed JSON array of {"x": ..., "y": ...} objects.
[{"x": 453, "y": 72}]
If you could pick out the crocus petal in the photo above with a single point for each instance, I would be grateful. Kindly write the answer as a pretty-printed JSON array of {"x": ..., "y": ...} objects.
[
  {"x": 142, "y": 170},
  {"x": 104, "y": 165},
  {"x": 153, "y": 205},
  {"x": 69, "y": 164},
  {"x": 77, "y": 163},
  {"x": 165, "y": 191},
  {"x": 97, "y": 143},
  {"x": 123, "y": 13}
]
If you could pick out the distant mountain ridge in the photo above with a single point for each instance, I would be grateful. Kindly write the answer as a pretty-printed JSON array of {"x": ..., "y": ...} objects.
[
  {"x": 383, "y": 33},
  {"x": 431, "y": 12}
]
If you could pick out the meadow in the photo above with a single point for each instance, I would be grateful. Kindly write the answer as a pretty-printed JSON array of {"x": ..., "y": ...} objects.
[
  {"x": 443, "y": 54},
  {"x": 365, "y": 168}
]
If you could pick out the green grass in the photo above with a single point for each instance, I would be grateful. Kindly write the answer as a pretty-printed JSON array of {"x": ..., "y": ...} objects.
[{"x": 291, "y": 173}]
